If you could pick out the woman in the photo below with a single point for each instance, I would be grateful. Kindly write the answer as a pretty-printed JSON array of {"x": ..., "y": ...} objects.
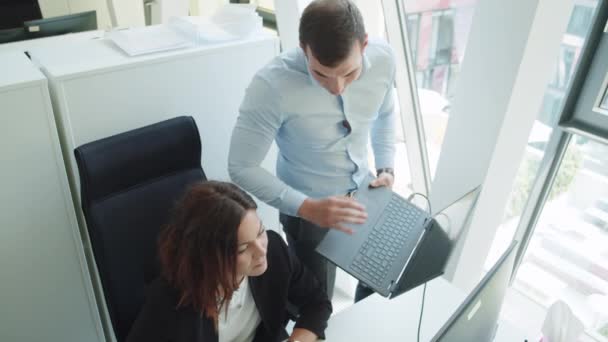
[{"x": 225, "y": 278}]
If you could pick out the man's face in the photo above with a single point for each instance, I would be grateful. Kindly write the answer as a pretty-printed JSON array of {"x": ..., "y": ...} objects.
[{"x": 336, "y": 79}]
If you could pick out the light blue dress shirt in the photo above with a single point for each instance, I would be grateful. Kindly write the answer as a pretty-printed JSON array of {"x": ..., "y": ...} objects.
[{"x": 319, "y": 155}]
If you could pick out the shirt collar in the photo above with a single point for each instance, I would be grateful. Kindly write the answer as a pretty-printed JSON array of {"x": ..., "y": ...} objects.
[{"x": 366, "y": 65}]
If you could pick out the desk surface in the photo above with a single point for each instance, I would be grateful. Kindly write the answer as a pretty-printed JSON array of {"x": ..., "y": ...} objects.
[
  {"x": 17, "y": 70},
  {"x": 95, "y": 55},
  {"x": 379, "y": 319}
]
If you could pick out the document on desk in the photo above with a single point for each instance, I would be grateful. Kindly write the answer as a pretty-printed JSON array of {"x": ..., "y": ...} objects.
[{"x": 149, "y": 39}]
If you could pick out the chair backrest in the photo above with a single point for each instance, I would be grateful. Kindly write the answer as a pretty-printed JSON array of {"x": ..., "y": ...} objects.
[
  {"x": 129, "y": 183},
  {"x": 14, "y": 12}
]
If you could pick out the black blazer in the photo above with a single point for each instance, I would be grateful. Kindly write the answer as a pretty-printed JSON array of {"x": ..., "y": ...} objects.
[{"x": 285, "y": 280}]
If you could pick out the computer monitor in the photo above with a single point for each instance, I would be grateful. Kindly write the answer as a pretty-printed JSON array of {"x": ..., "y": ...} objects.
[
  {"x": 13, "y": 35},
  {"x": 84, "y": 21},
  {"x": 475, "y": 319}
]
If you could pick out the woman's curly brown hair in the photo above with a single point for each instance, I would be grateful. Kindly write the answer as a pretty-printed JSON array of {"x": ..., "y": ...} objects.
[{"x": 198, "y": 248}]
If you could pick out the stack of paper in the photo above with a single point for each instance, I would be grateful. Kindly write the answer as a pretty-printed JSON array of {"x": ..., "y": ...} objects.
[
  {"x": 142, "y": 40},
  {"x": 230, "y": 22}
]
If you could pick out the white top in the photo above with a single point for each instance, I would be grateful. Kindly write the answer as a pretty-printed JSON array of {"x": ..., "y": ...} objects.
[
  {"x": 94, "y": 55},
  {"x": 17, "y": 69},
  {"x": 240, "y": 324}
]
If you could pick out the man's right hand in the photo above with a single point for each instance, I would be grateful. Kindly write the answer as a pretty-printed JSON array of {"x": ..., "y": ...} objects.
[{"x": 333, "y": 212}]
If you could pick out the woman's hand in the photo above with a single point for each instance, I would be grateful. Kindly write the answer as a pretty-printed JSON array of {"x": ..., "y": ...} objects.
[{"x": 302, "y": 335}]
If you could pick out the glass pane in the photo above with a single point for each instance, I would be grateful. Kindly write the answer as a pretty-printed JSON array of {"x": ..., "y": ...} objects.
[
  {"x": 580, "y": 20},
  {"x": 373, "y": 17},
  {"x": 539, "y": 136},
  {"x": 538, "y": 283},
  {"x": 438, "y": 32},
  {"x": 567, "y": 258}
]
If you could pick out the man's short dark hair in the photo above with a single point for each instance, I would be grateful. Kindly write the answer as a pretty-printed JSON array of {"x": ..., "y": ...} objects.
[{"x": 330, "y": 28}]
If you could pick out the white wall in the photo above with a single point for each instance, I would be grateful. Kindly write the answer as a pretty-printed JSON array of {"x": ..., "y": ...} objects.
[
  {"x": 53, "y": 8},
  {"x": 206, "y": 7},
  {"x": 126, "y": 13},
  {"x": 288, "y": 14}
]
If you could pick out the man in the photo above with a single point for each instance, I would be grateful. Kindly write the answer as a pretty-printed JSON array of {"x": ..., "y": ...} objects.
[{"x": 320, "y": 103}]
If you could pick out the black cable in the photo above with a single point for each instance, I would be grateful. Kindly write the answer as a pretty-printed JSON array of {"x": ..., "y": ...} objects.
[
  {"x": 448, "y": 230},
  {"x": 428, "y": 202},
  {"x": 421, "y": 311}
]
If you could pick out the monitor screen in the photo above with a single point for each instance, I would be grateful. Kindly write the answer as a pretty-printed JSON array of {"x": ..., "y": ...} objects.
[
  {"x": 475, "y": 319},
  {"x": 85, "y": 21}
]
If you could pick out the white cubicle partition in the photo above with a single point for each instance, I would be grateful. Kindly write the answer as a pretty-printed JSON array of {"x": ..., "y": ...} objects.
[
  {"x": 45, "y": 292},
  {"x": 51, "y": 42},
  {"x": 98, "y": 91}
]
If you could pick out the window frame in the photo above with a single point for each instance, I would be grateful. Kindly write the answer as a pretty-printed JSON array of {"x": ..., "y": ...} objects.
[{"x": 583, "y": 122}]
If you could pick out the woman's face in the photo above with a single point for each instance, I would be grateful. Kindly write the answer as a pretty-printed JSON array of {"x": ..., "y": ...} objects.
[{"x": 251, "y": 248}]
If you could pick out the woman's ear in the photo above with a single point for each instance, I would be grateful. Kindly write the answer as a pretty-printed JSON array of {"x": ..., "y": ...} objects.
[{"x": 364, "y": 44}]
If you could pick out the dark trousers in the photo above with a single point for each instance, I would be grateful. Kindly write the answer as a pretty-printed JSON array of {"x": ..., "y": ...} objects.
[
  {"x": 302, "y": 238},
  {"x": 362, "y": 292}
]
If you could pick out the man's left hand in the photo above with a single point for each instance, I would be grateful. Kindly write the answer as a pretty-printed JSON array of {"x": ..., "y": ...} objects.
[{"x": 384, "y": 179}]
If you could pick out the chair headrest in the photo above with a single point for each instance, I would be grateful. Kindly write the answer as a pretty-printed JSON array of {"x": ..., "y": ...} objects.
[{"x": 129, "y": 159}]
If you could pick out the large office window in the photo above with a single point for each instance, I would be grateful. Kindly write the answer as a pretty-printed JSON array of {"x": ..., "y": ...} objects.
[
  {"x": 580, "y": 20},
  {"x": 567, "y": 256},
  {"x": 437, "y": 33}
]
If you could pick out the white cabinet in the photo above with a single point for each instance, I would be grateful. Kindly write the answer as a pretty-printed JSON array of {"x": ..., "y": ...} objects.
[{"x": 45, "y": 289}]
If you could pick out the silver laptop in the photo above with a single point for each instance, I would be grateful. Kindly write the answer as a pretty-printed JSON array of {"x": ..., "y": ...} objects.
[{"x": 399, "y": 246}]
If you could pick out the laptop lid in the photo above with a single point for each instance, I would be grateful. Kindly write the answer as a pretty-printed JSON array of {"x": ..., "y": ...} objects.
[{"x": 431, "y": 255}]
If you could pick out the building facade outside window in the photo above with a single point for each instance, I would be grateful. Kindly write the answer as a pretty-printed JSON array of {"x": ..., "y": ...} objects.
[{"x": 438, "y": 32}]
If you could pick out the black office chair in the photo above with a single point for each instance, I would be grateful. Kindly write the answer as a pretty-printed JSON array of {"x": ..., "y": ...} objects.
[
  {"x": 129, "y": 182},
  {"x": 14, "y": 12}
]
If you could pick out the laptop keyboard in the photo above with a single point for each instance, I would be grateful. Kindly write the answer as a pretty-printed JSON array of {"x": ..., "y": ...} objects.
[{"x": 376, "y": 256}]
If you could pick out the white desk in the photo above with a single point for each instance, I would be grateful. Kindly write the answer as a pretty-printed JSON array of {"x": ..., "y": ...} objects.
[
  {"x": 45, "y": 289},
  {"x": 379, "y": 319}
]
